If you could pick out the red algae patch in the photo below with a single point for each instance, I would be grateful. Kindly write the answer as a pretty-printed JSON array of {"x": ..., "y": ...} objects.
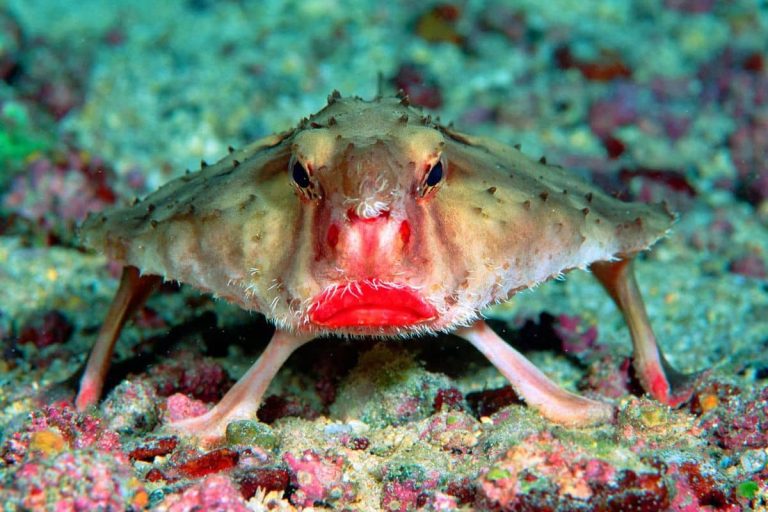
[
  {"x": 215, "y": 461},
  {"x": 152, "y": 448},
  {"x": 217, "y": 492}
]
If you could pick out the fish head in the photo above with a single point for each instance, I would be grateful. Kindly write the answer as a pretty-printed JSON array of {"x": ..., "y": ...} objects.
[{"x": 365, "y": 176}]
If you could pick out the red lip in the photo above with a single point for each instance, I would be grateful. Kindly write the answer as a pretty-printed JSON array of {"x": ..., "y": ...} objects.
[{"x": 366, "y": 304}]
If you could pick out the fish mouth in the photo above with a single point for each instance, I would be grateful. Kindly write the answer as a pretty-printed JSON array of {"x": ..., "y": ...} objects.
[{"x": 370, "y": 304}]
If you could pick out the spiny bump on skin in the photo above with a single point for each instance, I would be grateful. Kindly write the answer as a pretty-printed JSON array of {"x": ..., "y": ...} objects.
[
  {"x": 588, "y": 197},
  {"x": 491, "y": 190},
  {"x": 332, "y": 121},
  {"x": 230, "y": 149},
  {"x": 517, "y": 147},
  {"x": 527, "y": 204},
  {"x": 203, "y": 164},
  {"x": 135, "y": 201},
  {"x": 335, "y": 95},
  {"x": 543, "y": 160},
  {"x": 544, "y": 195},
  {"x": 235, "y": 163},
  {"x": 585, "y": 211},
  {"x": 403, "y": 118}
]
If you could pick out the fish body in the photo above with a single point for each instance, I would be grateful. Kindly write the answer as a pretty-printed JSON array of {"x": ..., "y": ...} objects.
[{"x": 371, "y": 219}]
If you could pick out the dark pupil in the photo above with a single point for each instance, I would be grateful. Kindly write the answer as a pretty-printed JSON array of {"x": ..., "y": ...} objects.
[
  {"x": 435, "y": 174},
  {"x": 300, "y": 175}
]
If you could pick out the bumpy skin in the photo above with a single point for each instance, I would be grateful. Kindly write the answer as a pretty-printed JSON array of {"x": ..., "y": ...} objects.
[
  {"x": 370, "y": 219},
  {"x": 496, "y": 223}
]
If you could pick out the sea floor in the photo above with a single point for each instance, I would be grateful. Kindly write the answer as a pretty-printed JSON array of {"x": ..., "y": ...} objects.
[{"x": 101, "y": 102}]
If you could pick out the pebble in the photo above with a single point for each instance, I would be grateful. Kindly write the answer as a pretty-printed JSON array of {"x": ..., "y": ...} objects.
[{"x": 250, "y": 432}]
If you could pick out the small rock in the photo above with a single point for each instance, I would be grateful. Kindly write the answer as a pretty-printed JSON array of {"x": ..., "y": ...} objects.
[
  {"x": 131, "y": 407},
  {"x": 249, "y": 432},
  {"x": 753, "y": 461}
]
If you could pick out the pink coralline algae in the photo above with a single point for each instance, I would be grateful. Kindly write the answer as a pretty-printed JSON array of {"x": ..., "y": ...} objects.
[
  {"x": 217, "y": 492},
  {"x": 78, "y": 430},
  {"x": 179, "y": 407},
  {"x": 695, "y": 491},
  {"x": 64, "y": 460},
  {"x": 560, "y": 471},
  {"x": 318, "y": 479},
  {"x": 740, "y": 423},
  {"x": 58, "y": 192},
  {"x": 79, "y": 480},
  {"x": 408, "y": 488},
  {"x": 403, "y": 496}
]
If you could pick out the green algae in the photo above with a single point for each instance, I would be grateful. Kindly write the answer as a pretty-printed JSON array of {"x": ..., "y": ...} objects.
[
  {"x": 250, "y": 432},
  {"x": 19, "y": 139},
  {"x": 388, "y": 387},
  {"x": 496, "y": 473},
  {"x": 403, "y": 471},
  {"x": 747, "y": 489}
]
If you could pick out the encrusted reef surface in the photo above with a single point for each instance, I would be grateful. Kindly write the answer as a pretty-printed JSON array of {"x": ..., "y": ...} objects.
[{"x": 655, "y": 100}]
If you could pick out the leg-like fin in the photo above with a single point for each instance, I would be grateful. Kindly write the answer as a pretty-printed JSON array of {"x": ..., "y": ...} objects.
[
  {"x": 132, "y": 293},
  {"x": 538, "y": 390},
  {"x": 243, "y": 399},
  {"x": 658, "y": 377}
]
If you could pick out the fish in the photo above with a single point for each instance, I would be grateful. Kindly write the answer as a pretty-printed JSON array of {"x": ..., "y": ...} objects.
[{"x": 372, "y": 219}]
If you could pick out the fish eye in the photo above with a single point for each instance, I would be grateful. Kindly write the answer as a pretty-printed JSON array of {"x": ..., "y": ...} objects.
[
  {"x": 300, "y": 175},
  {"x": 435, "y": 174}
]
